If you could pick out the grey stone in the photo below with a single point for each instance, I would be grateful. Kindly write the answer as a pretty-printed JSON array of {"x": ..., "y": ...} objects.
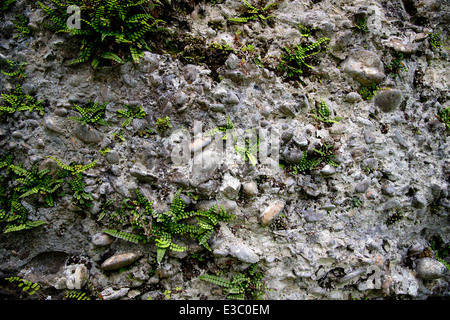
[
  {"x": 272, "y": 212},
  {"x": 76, "y": 276},
  {"x": 312, "y": 216},
  {"x": 250, "y": 189},
  {"x": 368, "y": 136},
  {"x": 370, "y": 163},
  {"x": 401, "y": 45},
  {"x": 418, "y": 201},
  {"x": 190, "y": 73},
  {"x": 328, "y": 170},
  {"x": 119, "y": 260},
  {"x": 111, "y": 294},
  {"x": 388, "y": 189},
  {"x": 230, "y": 186},
  {"x": 112, "y": 157},
  {"x": 51, "y": 125},
  {"x": 430, "y": 269},
  {"x": 353, "y": 97},
  {"x": 148, "y": 63},
  {"x": 142, "y": 174},
  {"x": 363, "y": 186},
  {"x": 243, "y": 253},
  {"x": 400, "y": 140},
  {"x": 364, "y": 66},
  {"x": 102, "y": 239},
  {"x": 87, "y": 134},
  {"x": 232, "y": 62},
  {"x": 388, "y": 100},
  {"x": 61, "y": 112}
]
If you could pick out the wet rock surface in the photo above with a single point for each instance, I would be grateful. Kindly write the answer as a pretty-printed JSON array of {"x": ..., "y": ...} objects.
[{"x": 369, "y": 221}]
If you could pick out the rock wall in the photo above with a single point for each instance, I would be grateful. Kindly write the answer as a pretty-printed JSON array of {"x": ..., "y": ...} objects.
[{"x": 363, "y": 229}]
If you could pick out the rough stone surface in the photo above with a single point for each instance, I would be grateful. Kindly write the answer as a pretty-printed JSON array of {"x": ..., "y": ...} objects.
[
  {"x": 430, "y": 269},
  {"x": 364, "y": 66},
  {"x": 119, "y": 260},
  {"x": 388, "y": 100},
  {"x": 362, "y": 229}
]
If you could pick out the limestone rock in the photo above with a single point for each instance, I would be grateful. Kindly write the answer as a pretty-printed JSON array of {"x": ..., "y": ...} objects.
[
  {"x": 388, "y": 100},
  {"x": 87, "y": 134},
  {"x": 230, "y": 186},
  {"x": 429, "y": 269},
  {"x": 364, "y": 66},
  {"x": 272, "y": 212},
  {"x": 102, "y": 239},
  {"x": 119, "y": 260}
]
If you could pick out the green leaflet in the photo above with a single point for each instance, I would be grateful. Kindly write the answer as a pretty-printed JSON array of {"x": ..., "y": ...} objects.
[
  {"x": 323, "y": 114},
  {"x": 255, "y": 12},
  {"x": 131, "y": 113},
  {"x": 111, "y": 30},
  {"x": 244, "y": 285},
  {"x": 26, "y": 285},
  {"x": 18, "y": 101},
  {"x": 297, "y": 57},
  {"x": 92, "y": 113},
  {"x": 163, "y": 228}
]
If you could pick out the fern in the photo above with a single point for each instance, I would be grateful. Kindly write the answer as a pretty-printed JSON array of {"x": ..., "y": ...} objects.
[
  {"x": 298, "y": 57},
  {"x": 323, "y": 114},
  {"x": 129, "y": 237},
  {"x": 162, "y": 228},
  {"x": 244, "y": 285},
  {"x": 112, "y": 30},
  {"x": 216, "y": 280},
  {"x": 323, "y": 154},
  {"x": 435, "y": 40},
  {"x": 21, "y": 24},
  {"x": 259, "y": 10},
  {"x": 305, "y": 163},
  {"x": 6, "y": 4},
  {"x": 444, "y": 116},
  {"x": 249, "y": 151},
  {"x": 18, "y": 101},
  {"x": 77, "y": 295},
  {"x": 36, "y": 182},
  {"x": 13, "y": 69},
  {"x": 92, "y": 113},
  {"x": 26, "y": 285},
  {"x": 131, "y": 113},
  {"x": 162, "y": 124},
  {"x": 74, "y": 173},
  {"x": 26, "y": 226},
  {"x": 326, "y": 153}
]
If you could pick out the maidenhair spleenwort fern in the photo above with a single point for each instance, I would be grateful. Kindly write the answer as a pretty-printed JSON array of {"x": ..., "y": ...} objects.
[
  {"x": 18, "y": 101},
  {"x": 26, "y": 285},
  {"x": 92, "y": 113},
  {"x": 297, "y": 57},
  {"x": 73, "y": 174},
  {"x": 444, "y": 116},
  {"x": 111, "y": 30},
  {"x": 323, "y": 114},
  {"x": 131, "y": 113},
  {"x": 310, "y": 162},
  {"x": 162, "y": 228},
  {"x": 36, "y": 181},
  {"x": 13, "y": 214},
  {"x": 258, "y": 10},
  {"x": 246, "y": 285}
]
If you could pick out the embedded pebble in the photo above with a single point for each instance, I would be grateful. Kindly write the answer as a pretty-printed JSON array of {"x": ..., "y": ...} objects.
[
  {"x": 119, "y": 260},
  {"x": 272, "y": 212}
]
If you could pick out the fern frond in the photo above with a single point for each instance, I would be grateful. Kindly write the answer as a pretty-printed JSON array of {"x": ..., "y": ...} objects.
[{"x": 133, "y": 238}]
